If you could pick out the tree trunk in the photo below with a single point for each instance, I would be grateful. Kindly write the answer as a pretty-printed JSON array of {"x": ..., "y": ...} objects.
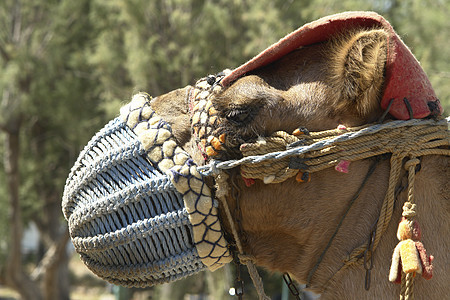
[
  {"x": 15, "y": 275},
  {"x": 219, "y": 283},
  {"x": 55, "y": 235},
  {"x": 55, "y": 281},
  {"x": 52, "y": 269}
]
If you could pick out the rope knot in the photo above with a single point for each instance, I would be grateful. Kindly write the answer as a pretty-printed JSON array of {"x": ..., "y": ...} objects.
[
  {"x": 412, "y": 163},
  {"x": 409, "y": 210},
  {"x": 245, "y": 259},
  {"x": 214, "y": 170},
  {"x": 273, "y": 171}
]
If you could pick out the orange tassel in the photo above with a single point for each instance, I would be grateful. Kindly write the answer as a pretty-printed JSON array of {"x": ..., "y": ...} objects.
[
  {"x": 210, "y": 151},
  {"x": 303, "y": 177}
]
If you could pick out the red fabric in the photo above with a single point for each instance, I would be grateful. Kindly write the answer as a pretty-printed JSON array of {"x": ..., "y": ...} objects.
[
  {"x": 248, "y": 181},
  {"x": 405, "y": 78},
  {"x": 425, "y": 260}
]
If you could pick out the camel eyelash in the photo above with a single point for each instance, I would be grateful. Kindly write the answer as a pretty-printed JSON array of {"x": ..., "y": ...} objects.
[{"x": 241, "y": 116}]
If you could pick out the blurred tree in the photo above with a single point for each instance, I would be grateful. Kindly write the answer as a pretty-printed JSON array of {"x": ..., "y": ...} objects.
[
  {"x": 48, "y": 108},
  {"x": 161, "y": 45},
  {"x": 425, "y": 28}
]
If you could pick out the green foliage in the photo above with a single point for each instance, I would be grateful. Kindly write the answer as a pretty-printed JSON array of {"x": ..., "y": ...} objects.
[
  {"x": 157, "y": 46},
  {"x": 51, "y": 89},
  {"x": 427, "y": 32},
  {"x": 161, "y": 45},
  {"x": 3, "y": 213},
  {"x": 62, "y": 106}
]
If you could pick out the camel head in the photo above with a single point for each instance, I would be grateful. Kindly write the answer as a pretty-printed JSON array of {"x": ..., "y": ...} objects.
[
  {"x": 317, "y": 87},
  {"x": 336, "y": 82},
  {"x": 321, "y": 86},
  {"x": 343, "y": 80}
]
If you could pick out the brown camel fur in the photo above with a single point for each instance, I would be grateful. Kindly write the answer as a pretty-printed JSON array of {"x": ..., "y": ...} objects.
[{"x": 287, "y": 225}]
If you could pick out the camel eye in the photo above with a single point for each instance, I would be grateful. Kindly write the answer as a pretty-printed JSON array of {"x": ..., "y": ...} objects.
[{"x": 239, "y": 116}]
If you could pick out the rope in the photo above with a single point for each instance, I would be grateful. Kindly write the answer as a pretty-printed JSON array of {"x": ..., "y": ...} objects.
[
  {"x": 257, "y": 280},
  {"x": 325, "y": 140},
  {"x": 276, "y": 170},
  {"x": 407, "y": 289},
  {"x": 409, "y": 212},
  {"x": 222, "y": 182},
  {"x": 222, "y": 186},
  {"x": 282, "y": 155},
  {"x": 350, "y": 204},
  {"x": 403, "y": 287}
]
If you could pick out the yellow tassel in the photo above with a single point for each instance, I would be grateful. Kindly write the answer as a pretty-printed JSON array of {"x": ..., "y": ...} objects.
[{"x": 410, "y": 257}]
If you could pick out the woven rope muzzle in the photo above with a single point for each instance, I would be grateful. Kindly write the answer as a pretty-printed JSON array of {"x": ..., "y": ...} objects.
[{"x": 139, "y": 212}]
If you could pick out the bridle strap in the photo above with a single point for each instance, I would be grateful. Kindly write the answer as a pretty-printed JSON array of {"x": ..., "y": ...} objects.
[
  {"x": 370, "y": 171},
  {"x": 221, "y": 193}
]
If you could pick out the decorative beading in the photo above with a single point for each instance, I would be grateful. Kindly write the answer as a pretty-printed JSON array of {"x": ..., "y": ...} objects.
[{"x": 204, "y": 117}]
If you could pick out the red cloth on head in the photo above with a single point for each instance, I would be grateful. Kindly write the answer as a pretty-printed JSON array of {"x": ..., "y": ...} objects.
[{"x": 405, "y": 78}]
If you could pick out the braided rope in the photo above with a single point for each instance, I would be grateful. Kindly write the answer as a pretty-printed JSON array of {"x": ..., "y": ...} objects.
[
  {"x": 327, "y": 139},
  {"x": 403, "y": 287},
  {"x": 407, "y": 289},
  {"x": 222, "y": 191},
  {"x": 257, "y": 280},
  {"x": 414, "y": 137},
  {"x": 409, "y": 212},
  {"x": 273, "y": 171}
]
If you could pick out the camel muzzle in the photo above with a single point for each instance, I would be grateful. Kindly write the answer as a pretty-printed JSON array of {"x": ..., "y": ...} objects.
[{"x": 139, "y": 213}]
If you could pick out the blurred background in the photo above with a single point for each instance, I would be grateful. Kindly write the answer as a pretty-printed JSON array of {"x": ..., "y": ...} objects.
[{"x": 67, "y": 66}]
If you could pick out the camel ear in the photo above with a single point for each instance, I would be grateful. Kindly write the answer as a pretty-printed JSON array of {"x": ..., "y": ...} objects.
[{"x": 357, "y": 69}]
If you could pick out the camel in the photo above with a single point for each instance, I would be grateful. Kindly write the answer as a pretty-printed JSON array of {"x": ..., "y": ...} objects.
[
  {"x": 286, "y": 226},
  {"x": 150, "y": 200}
]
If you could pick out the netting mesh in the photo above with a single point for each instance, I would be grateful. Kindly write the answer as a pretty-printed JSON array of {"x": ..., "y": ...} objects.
[
  {"x": 156, "y": 137},
  {"x": 126, "y": 219}
]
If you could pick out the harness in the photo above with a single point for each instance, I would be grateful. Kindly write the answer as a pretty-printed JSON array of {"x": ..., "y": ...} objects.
[
  {"x": 408, "y": 96},
  {"x": 140, "y": 212},
  {"x": 282, "y": 155}
]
